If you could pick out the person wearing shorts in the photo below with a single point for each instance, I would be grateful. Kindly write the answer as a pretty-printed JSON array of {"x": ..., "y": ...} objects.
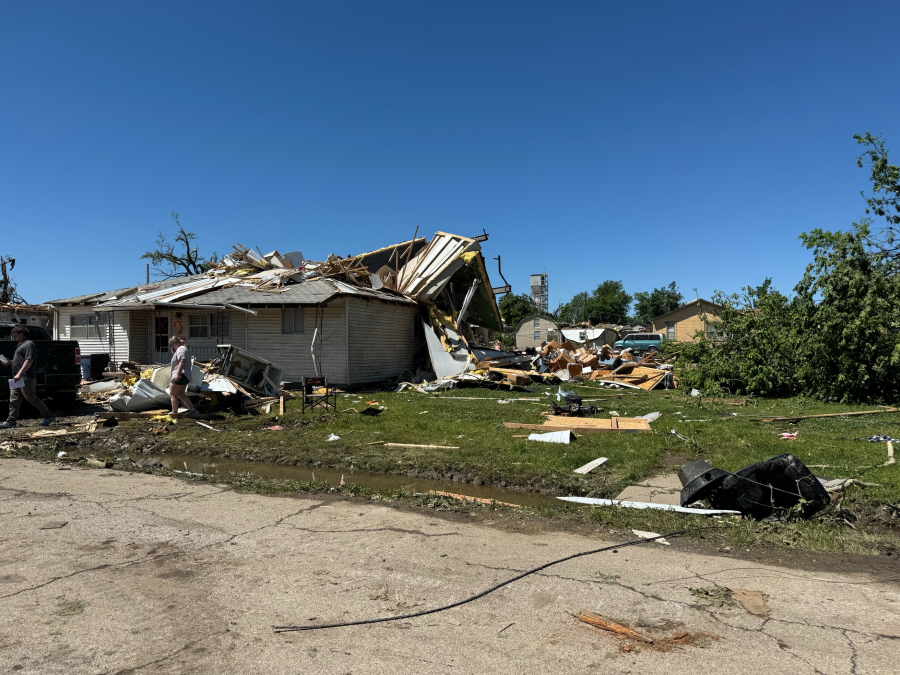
[{"x": 181, "y": 377}]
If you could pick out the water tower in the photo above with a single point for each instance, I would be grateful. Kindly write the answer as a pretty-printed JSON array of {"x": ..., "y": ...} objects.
[{"x": 539, "y": 293}]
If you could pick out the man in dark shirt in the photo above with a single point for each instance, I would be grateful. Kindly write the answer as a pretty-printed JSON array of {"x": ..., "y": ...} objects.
[{"x": 24, "y": 371}]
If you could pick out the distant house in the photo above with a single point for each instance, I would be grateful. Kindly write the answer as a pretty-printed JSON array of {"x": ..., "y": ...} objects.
[
  {"x": 583, "y": 336},
  {"x": 533, "y": 330},
  {"x": 682, "y": 324}
]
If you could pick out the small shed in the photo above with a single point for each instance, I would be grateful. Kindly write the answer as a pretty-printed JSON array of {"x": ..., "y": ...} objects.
[{"x": 534, "y": 330}]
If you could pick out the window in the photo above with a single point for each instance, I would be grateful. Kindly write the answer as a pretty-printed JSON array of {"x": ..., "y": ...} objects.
[
  {"x": 209, "y": 326},
  {"x": 537, "y": 336},
  {"x": 292, "y": 321},
  {"x": 220, "y": 326},
  {"x": 198, "y": 325},
  {"x": 670, "y": 330},
  {"x": 85, "y": 326},
  {"x": 537, "y": 323}
]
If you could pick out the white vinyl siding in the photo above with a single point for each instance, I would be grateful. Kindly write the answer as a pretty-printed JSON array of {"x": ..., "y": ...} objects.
[
  {"x": 382, "y": 340},
  {"x": 94, "y": 344},
  {"x": 291, "y": 352},
  {"x": 292, "y": 320}
]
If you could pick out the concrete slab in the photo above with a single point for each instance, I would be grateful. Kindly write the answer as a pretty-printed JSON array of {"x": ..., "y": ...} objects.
[
  {"x": 663, "y": 489},
  {"x": 159, "y": 575}
]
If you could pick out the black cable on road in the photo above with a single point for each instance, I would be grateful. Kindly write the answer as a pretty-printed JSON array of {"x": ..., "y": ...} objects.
[{"x": 363, "y": 622}]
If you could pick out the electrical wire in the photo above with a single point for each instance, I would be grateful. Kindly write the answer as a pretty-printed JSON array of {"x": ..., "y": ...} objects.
[{"x": 363, "y": 622}]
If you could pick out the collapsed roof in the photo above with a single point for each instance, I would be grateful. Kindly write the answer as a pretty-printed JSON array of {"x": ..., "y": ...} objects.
[{"x": 447, "y": 274}]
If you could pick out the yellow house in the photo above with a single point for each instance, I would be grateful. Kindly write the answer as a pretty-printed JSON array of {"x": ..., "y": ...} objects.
[{"x": 682, "y": 324}]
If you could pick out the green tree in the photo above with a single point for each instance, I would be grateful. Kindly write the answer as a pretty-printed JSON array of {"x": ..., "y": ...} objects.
[
  {"x": 608, "y": 303},
  {"x": 180, "y": 258},
  {"x": 838, "y": 337},
  {"x": 648, "y": 306},
  {"x": 514, "y": 308}
]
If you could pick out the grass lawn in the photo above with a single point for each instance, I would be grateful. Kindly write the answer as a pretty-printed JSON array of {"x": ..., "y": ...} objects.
[{"x": 726, "y": 436}]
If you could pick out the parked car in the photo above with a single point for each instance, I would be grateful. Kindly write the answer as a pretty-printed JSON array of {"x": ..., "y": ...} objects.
[
  {"x": 58, "y": 366},
  {"x": 641, "y": 342}
]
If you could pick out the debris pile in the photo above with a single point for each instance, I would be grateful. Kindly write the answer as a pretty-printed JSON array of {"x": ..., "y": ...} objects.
[{"x": 237, "y": 380}]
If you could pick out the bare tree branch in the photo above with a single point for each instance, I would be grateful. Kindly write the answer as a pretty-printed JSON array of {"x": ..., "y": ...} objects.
[{"x": 180, "y": 258}]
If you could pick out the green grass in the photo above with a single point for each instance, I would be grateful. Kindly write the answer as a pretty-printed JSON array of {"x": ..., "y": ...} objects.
[
  {"x": 490, "y": 454},
  {"x": 866, "y": 521}
]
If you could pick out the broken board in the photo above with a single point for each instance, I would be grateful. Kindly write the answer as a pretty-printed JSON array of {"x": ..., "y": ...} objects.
[{"x": 587, "y": 425}]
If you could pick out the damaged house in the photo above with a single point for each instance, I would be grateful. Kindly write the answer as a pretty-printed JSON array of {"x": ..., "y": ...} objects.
[{"x": 356, "y": 320}]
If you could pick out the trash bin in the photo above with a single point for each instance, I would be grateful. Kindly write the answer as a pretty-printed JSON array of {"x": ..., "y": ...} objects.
[{"x": 98, "y": 363}]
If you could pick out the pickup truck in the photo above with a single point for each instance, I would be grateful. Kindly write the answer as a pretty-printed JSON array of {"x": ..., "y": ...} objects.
[{"x": 58, "y": 366}]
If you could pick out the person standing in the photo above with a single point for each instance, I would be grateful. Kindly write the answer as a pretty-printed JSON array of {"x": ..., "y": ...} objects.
[
  {"x": 181, "y": 376},
  {"x": 25, "y": 371}
]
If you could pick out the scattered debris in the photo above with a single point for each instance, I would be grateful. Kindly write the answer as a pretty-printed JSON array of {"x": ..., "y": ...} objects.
[
  {"x": 587, "y": 425},
  {"x": 413, "y": 445},
  {"x": 594, "y": 501},
  {"x": 764, "y": 490},
  {"x": 590, "y": 466},
  {"x": 564, "y": 436},
  {"x": 655, "y": 536},
  {"x": 882, "y": 439},
  {"x": 467, "y": 498},
  {"x": 613, "y": 627},
  {"x": 717, "y": 596},
  {"x": 786, "y": 436},
  {"x": 794, "y": 418},
  {"x": 54, "y": 525},
  {"x": 754, "y": 602},
  {"x": 333, "y": 437}
]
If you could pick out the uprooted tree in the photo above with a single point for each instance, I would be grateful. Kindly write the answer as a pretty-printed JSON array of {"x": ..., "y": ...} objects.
[
  {"x": 8, "y": 292},
  {"x": 838, "y": 337},
  {"x": 179, "y": 258}
]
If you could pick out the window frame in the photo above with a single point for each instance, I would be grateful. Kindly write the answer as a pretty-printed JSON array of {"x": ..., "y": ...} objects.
[
  {"x": 295, "y": 313},
  {"x": 94, "y": 326},
  {"x": 537, "y": 336},
  {"x": 202, "y": 327}
]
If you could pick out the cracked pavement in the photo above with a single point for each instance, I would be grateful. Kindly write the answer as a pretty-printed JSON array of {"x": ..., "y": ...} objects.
[{"x": 156, "y": 575}]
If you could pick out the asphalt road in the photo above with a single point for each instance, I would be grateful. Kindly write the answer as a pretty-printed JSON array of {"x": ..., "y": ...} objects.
[{"x": 111, "y": 572}]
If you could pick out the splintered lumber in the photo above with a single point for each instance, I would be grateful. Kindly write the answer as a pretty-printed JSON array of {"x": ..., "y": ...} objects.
[
  {"x": 613, "y": 627},
  {"x": 518, "y": 378},
  {"x": 413, "y": 445},
  {"x": 150, "y": 414},
  {"x": 788, "y": 418},
  {"x": 587, "y": 425},
  {"x": 467, "y": 498}
]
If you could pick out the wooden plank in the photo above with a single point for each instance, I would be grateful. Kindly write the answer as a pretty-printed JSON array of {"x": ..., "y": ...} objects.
[
  {"x": 590, "y": 466},
  {"x": 281, "y": 405},
  {"x": 763, "y": 418},
  {"x": 574, "y": 426},
  {"x": 413, "y": 445}
]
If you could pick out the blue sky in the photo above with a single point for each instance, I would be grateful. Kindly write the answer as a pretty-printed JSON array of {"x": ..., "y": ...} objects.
[{"x": 646, "y": 142}]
